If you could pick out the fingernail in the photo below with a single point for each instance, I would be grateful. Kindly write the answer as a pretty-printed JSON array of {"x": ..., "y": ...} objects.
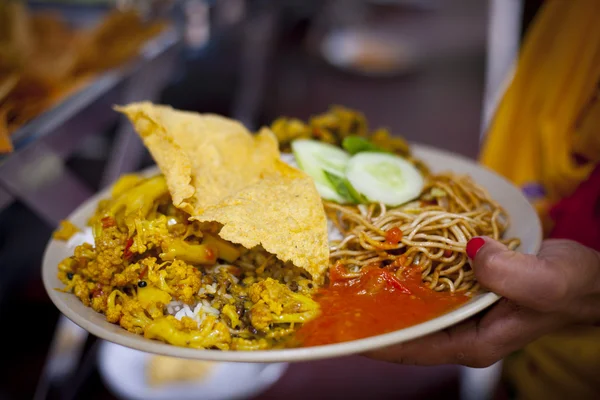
[{"x": 473, "y": 246}]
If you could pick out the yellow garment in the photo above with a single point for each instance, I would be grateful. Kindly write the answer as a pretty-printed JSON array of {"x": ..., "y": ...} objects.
[
  {"x": 549, "y": 114},
  {"x": 564, "y": 365}
]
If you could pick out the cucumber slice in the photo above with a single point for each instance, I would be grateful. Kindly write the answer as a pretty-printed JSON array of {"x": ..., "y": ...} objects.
[
  {"x": 328, "y": 193},
  {"x": 315, "y": 158},
  {"x": 384, "y": 178},
  {"x": 320, "y": 161}
]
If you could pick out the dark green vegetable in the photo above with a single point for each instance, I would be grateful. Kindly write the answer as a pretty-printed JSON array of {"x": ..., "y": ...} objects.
[
  {"x": 358, "y": 144},
  {"x": 344, "y": 188}
]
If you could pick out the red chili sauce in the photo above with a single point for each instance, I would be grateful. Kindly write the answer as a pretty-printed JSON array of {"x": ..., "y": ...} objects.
[{"x": 373, "y": 302}]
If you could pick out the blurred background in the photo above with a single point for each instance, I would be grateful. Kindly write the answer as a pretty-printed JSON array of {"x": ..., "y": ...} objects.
[{"x": 421, "y": 68}]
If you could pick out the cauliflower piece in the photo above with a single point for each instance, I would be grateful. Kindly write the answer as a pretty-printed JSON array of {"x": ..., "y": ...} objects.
[
  {"x": 99, "y": 300},
  {"x": 210, "y": 334},
  {"x": 150, "y": 234},
  {"x": 180, "y": 280},
  {"x": 99, "y": 264},
  {"x": 275, "y": 303},
  {"x": 186, "y": 280},
  {"x": 66, "y": 269},
  {"x": 129, "y": 276},
  {"x": 133, "y": 317},
  {"x": 86, "y": 251},
  {"x": 132, "y": 201},
  {"x": 102, "y": 265},
  {"x": 113, "y": 307},
  {"x": 80, "y": 288},
  {"x": 261, "y": 316}
]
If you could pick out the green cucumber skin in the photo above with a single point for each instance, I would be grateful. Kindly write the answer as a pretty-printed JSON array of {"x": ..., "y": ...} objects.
[
  {"x": 305, "y": 151},
  {"x": 359, "y": 144},
  {"x": 344, "y": 189}
]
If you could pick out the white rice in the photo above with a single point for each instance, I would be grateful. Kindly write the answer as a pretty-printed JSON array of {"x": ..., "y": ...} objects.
[
  {"x": 174, "y": 306},
  {"x": 198, "y": 313},
  {"x": 211, "y": 289},
  {"x": 200, "y": 310}
]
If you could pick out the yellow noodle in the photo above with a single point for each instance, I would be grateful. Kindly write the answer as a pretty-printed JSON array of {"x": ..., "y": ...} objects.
[{"x": 435, "y": 230}]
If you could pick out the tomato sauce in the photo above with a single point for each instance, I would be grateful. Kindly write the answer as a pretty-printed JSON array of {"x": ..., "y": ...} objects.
[
  {"x": 393, "y": 236},
  {"x": 373, "y": 303}
]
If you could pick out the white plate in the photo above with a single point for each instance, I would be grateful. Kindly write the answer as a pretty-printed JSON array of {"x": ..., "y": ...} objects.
[
  {"x": 525, "y": 225},
  {"x": 123, "y": 370}
]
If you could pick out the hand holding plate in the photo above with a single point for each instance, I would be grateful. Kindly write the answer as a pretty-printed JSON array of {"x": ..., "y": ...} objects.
[{"x": 542, "y": 294}]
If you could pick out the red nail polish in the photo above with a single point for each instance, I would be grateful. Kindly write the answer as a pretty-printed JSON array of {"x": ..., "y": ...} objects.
[{"x": 473, "y": 246}]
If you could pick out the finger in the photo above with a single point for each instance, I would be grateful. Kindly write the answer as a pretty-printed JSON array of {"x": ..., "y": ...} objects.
[
  {"x": 478, "y": 342},
  {"x": 523, "y": 278}
]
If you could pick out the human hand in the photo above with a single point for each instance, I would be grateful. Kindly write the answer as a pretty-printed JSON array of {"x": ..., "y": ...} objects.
[{"x": 541, "y": 294}]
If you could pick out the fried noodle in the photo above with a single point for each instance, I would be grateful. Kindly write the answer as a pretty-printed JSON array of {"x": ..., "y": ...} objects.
[{"x": 435, "y": 230}]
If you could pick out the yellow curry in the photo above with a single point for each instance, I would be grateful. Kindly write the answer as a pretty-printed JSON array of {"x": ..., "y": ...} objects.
[{"x": 150, "y": 283}]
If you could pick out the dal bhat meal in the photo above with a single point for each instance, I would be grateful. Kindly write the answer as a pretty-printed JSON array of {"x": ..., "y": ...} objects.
[{"x": 304, "y": 234}]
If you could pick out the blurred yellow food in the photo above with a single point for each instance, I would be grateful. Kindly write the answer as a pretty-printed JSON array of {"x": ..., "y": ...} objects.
[
  {"x": 65, "y": 231},
  {"x": 334, "y": 126},
  {"x": 5, "y": 143},
  {"x": 149, "y": 257},
  {"x": 217, "y": 171},
  {"x": 163, "y": 370},
  {"x": 43, "y": 59}
]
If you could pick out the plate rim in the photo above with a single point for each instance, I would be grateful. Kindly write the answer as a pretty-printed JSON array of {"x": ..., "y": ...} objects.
[{"x": 137, "y": 342}]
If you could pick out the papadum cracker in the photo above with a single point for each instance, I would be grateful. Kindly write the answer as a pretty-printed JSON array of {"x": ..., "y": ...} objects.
[{"x": 217, "y": 170}]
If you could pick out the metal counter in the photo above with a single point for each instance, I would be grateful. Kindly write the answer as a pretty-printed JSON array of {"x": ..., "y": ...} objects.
[{"x": 35, "y": 173}]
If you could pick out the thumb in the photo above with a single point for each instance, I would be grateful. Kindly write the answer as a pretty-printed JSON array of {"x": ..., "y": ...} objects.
[{"x": 522, "y": 278}]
